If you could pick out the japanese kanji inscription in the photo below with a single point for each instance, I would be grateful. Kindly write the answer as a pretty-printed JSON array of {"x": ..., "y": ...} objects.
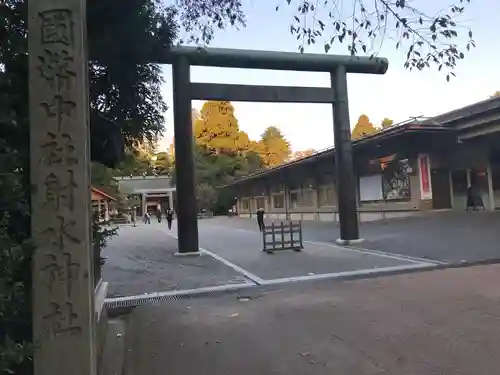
[
  {"x": 59, "y": 124},
  {"x": 56, "y": 27}
]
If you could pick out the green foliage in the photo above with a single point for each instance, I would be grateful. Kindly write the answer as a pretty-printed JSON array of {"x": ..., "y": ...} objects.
[
  {"x": 135, "y": 163},
  {"x": 15, "y": 266},
  {"x": 365, "y": 25},
  {"x": 225, "y": 153},
  {"x": 139, "y": 163},
  {"x": 15, "y": 300},
  {"x": 102, "y": 177},
  {"x": 101, "y": 233},
  {"x": 276, "y": 149},
  {"x": 206, "y": 196},
  {"x": 386, "y": 122},
  {"x": 215, "y": 170},
  {"x": 123, "y": 38},
  {"x": 163, "y": 164},
  {"x": 122, "y": 87}
]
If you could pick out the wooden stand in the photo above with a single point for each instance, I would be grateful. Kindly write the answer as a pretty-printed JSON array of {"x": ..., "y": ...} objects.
[{"x": 284, "y": 236}]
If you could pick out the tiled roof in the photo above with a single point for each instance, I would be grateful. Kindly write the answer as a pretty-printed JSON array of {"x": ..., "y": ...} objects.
[
  {"x": 442, "y": 122},
  {"x": 102, "y": 194},
  {"x": 142, "y": 184},
  {"x": 477, "y": 108}
]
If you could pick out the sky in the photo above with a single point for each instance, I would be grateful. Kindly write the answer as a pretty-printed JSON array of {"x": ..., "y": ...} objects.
[{"x": 399, "y": 94}]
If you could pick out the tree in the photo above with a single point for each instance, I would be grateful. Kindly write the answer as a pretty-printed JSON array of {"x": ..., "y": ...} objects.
[
  {"x": 213, "y": 170},
  {"x": 363, "y": 127},
  {"x": 386, "y": 123},
  {"x": 206, "y": 196},
  {"x": 276, "y": 149},
  {"x": 496, "y": 94},
  {"x": 122, "y": 38},
  {"x": 162, "y": 164},
  {"x": 217, "y": 129},
  {"x": 364, "y": 25},
  {"x": 102, "y": 178}
]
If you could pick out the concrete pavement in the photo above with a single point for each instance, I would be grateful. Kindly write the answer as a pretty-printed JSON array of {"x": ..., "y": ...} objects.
[
  {"x": 448, "y": 237},
  {"x": 141, "y": 260},
  {"x": 440, "y": 322}
]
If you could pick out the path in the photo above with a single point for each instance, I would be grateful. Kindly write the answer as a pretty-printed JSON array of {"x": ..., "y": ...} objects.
[
  {"x": 439, "y": 322},
  {"x": 443, "y": 236},
  {"x": 141, "y": 260}
]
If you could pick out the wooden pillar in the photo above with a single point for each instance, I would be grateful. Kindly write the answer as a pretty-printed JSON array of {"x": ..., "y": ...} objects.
[
  {"x": 491, "y": 194},
  {"x": 143, "y": 204},
  {"x": 106, "y": 211},
  {"x": 63, "y": 288},
  {"x": 346, "y": 180},
  {"x": 187, "y": 210},
  {"x": 171, "y": 200}
]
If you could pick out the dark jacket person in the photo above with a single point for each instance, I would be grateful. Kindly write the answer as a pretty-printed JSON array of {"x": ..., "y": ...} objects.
[
  {"x": 260, "y": 218},
  {"x": 170, "y": 217}
]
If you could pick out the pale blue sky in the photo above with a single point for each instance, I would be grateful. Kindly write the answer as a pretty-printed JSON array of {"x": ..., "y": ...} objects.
[{"x": 398, "y": 94}]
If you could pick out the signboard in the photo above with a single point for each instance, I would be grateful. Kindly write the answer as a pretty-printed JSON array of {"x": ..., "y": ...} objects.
[
  {"x": 424, "y": 173},
  {"x": 370, "y": 188}
]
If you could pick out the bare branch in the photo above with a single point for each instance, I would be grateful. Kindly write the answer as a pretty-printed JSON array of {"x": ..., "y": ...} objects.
[
  {"x": 200, "y": 18},
  {"x": 438, "y": 40}
]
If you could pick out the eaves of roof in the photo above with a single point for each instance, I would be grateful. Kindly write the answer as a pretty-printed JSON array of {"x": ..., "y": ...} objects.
[{"x": 329, "y": 152}]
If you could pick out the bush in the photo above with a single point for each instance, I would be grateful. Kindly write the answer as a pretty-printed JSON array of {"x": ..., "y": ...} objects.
[
  {"x": 15, "y": 267},
  {"x": 15, "y": 304},
  {"x": 16, "y": 254}
]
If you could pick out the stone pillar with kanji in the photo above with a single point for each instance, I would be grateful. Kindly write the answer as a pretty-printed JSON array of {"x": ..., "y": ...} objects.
[{"x": 63, "y": 289}]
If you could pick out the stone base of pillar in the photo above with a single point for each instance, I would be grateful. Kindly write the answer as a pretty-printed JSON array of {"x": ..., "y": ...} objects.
[
  {"x": 100, "y": 294},
  {"x": 340, "y": 241},
  {"x": 101, "y": 315},
  {"x": 191, "y": 254}
]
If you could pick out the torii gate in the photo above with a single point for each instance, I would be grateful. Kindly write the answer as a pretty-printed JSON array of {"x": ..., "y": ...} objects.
[{"x": 63, "y": 289}]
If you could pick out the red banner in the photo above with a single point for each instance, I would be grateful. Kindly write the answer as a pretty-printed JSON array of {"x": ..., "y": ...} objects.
[{"x": 424, "y": 170}]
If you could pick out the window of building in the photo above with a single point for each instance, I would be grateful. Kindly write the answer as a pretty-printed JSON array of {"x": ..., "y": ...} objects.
[
  {"x": 459, "y": 182},
  {"x": 245, "y": 204},
  {"x": 260, "y": 202},
  {"x": 326, "y": 195},
  {"x": 302, "y": 198},
  {"x": 295, "y": 199},
  {"x": 279, "y": 201},
  {"x": 308, "y": 198},
  {"x": 370, "y": 188}
]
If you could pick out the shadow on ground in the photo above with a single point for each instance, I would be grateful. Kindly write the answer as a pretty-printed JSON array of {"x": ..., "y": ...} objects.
[
  {"x": 442, "y": 236},
  {"x": 141, "y": 260},
  {"x": 440, "y": 322}
]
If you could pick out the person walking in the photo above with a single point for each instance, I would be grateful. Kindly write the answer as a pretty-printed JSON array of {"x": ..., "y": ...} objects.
[
  {"x": 147, "y": 218},
  {"x": 158, "y": 216},
  {"x": 260, "y": 219},
  {"x": 170, "y": 217}
]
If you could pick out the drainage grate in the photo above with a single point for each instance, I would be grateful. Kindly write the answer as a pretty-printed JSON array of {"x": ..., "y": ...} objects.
[{"x": 158, "y": 298}]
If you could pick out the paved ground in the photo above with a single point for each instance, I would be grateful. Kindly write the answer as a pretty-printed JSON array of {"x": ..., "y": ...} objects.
[
  {"x": 443, "y": 236},
  {"x": 438, "y": 322},
  {"x": 140, "y": 260},
  {"x": 242, "y": 247}
]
